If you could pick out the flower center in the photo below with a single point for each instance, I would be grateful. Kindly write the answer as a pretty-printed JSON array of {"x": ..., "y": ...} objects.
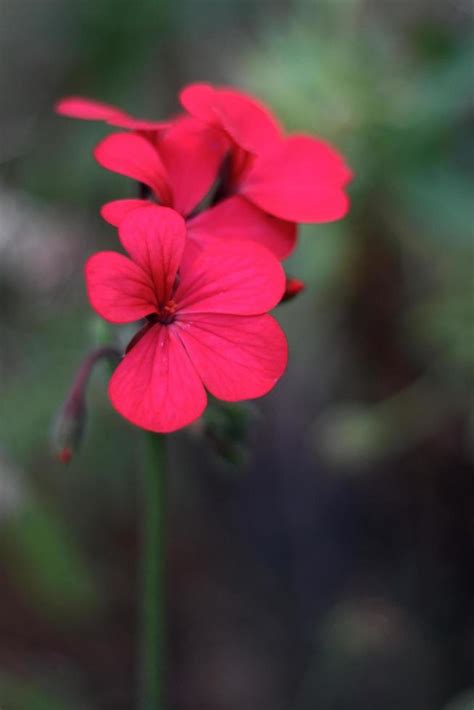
[{"x": 165, "y": 313}]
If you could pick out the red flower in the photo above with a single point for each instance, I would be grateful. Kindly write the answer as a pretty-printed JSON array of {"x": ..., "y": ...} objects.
[
  {"x": 207, "y": 323},
  {"x": 180, "y": 168},
  {"x": 266, "y": 182},
  {"x": 297, "y": 178},
  {"x": 89, "y": 110}
]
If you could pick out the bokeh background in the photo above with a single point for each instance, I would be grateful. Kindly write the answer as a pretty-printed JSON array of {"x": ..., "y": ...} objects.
[{"x": 320, "y": 542}]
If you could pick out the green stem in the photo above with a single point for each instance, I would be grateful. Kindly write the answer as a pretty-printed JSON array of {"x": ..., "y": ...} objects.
[{"x": 153, "y": 575}]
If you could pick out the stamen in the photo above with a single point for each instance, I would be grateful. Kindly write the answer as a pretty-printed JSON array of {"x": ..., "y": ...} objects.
[{"x": 166, "y": 313}]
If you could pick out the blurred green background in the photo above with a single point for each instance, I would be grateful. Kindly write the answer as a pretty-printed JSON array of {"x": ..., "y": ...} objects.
[{"x": 326, "y": 561}]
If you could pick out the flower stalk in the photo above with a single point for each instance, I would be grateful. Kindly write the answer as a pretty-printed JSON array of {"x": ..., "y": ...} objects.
[{"x": 152, "y": 682}]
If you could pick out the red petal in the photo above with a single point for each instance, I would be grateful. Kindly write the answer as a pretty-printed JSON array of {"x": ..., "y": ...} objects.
[
  {"x": 240, "y": 278},
  {"x": 246, "y": 120},
  {"x": 192, "y": 154},
  {"x": 155, "y": 237},
  {"x": 302, "y": 181},
  {"x": 119, "y": 290},
  {"x": 137, "y": 124},
  {"x": 199, "y": 100},
  {"x": 156, "y": 385},
  {"x": 116, "y": 211},
  {"x": 237, "y": 357},
  {"x": 237, "y": 218},
  {"x": 89, "y": 110},
  {"x": 135, "y": 157}
]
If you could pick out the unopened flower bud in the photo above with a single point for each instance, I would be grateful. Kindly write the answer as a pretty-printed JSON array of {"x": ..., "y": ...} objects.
[
  {"x": 293, "y": 288},
  {"x": 69, "y": 427},
  {"x": 69, "y": 424}
]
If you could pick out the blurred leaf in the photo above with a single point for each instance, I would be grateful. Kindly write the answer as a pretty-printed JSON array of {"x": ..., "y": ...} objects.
[
  {"x": 19, "y": 694},
  {"x": 444, "y": 327},
  {"x": 47, "y": 564},
  {"x": 465, "y": 701},
  {"x": 439, "y": 203},
  {"x": 357, "y": 435}
]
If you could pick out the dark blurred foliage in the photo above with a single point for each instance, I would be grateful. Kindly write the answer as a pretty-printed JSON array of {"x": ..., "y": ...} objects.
[{"x": 327, "y": 563}]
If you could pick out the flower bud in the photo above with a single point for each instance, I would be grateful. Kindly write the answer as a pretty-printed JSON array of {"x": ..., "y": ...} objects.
[
  {"x": 69, "y": 424},
  {"x": 293, "y": 288},
  {"x": 69, "y": 427}
]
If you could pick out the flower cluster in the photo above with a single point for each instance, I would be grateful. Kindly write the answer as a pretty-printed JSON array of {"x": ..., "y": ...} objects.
[{"x": 222, "y": 191}]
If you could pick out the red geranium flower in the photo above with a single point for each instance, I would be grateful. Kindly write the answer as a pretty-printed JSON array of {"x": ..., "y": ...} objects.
[
  {"x": 297, "y": 178},
  {"x": 180, "y": 168},
  {"x": 268, "y": 182},
  {"x": 207, "y": 320},
  {"x": 179, "y": 161}
]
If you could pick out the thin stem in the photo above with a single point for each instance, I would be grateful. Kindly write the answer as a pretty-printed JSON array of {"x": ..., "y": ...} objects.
[
  {"x": 84, "y": 372},
  {"x": 153, "y": 575}
]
